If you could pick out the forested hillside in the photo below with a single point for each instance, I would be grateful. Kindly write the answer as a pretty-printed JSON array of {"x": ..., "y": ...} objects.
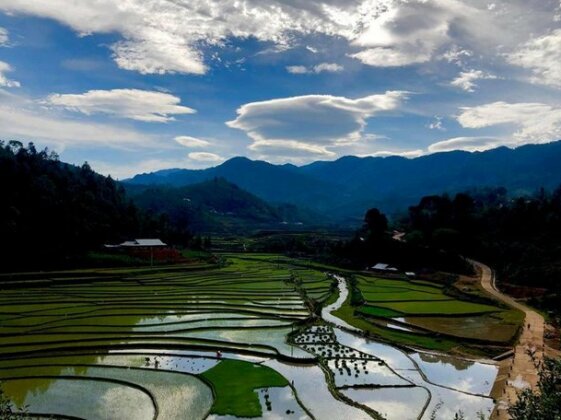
[
  {"x": 52, "y": 212},
  {"x": 217, "y": 206},
  {"x": 518, "y": 237}
]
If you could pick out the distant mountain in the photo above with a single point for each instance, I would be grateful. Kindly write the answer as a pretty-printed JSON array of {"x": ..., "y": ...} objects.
[
  {"x": 270, "y": 182},
  {"x": 218, "y": 206},
  {"x": 345, "y": 188}
]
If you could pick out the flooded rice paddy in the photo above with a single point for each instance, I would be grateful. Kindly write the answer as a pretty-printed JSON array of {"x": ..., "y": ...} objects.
[{"x": 143, "y": 346}]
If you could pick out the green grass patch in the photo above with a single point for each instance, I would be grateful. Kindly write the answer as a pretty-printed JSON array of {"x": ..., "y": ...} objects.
[
  {"x": 403, "y": 296},
  {"x": 235, "y": 382},
  {"x": 380, "y": 312},
  {"x": 497, "y": 327},
  {"x": 453, "y": 307},
  {"x": 347, "y": 313},
  {"x": 332, "y": 298}
]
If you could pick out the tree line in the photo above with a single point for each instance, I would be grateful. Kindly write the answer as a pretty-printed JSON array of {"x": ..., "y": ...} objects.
[
  {"x": 52, "y": 213},
  {"x": 520, "y": 237}
]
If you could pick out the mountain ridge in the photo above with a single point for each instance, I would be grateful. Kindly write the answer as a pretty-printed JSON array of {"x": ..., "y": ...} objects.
[
  {"x": 346, "y": 187},
  {"x": 218, "y": 206}
]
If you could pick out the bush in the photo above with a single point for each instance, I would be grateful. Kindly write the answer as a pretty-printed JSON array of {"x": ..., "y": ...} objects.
[
  {"x": 7, "y": 412},
  {"x": 545, "y": 402}
]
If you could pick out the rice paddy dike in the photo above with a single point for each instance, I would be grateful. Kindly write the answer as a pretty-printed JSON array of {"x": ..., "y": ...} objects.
[{"x": 261, "y": 336}]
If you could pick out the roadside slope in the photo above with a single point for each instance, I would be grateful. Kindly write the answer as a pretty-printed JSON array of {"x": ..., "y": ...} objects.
[{"x": 520, "y": 370}]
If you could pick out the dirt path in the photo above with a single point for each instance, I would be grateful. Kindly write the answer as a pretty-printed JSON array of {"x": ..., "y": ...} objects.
[{"x": 520, "y": 370}]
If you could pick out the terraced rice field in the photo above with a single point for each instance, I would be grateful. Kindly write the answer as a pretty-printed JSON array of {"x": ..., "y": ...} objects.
[
  {"x": 209, "y": 342},
  {"x": 113, "y": 339},
  {"x": 421, "y": 308},
  {"x": 394, "y": 383}
]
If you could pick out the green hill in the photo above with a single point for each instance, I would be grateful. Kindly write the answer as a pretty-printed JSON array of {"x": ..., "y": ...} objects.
[{"x": 218, "y": 206}]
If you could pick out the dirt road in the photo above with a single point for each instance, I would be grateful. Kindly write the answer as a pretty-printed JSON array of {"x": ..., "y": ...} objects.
[{"x": 521, "y": 372}]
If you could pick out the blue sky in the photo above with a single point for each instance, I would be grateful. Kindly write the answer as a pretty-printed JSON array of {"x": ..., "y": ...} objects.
[{"x": 143, "y": 85}]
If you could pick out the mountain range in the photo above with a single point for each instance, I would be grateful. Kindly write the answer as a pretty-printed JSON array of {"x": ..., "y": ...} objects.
[
  {"x": 343, "y": 189},
  {"x": 218, "y": 206}
]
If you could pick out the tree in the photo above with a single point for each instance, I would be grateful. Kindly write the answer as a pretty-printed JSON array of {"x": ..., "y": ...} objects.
[
  {"x": 53, "y": 213},
  {"x": 545, "y": 403},
  {"x": 376, "y": 223}
]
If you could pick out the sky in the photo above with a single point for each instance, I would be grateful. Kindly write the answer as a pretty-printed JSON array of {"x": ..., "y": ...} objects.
[{"x": 134, "y": 86}]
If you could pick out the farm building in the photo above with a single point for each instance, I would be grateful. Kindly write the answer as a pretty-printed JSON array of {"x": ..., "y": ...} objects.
[
  {"x": 383, "y": 267},
  {"x": 139, "y": 243},
  {"x": 152, "y": 249}
]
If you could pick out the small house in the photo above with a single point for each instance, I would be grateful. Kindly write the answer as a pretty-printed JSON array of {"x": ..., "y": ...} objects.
[
  {"x": 383, "y": 267},
  {"x": 144, "y": 248}
]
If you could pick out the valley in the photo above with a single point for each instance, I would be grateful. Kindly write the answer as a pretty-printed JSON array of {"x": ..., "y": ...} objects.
[
  {"x": 280, "y": 209},
  {"x": 172, "y": 341}
]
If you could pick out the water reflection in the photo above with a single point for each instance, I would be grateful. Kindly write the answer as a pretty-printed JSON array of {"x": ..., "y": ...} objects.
[
  {"x": 393, "y": 357},
  {"x": 276, "y": 404},
  {"x": 363, "y": 372},
  {"x": 392, "y": 403},
  {"x": 445, "y": 403},
  {"x": 343, "y": 294},
  {"x": 460, "y": 374},
  {"x": 101, "y": 400},
  {"x": 310, "y": 384}
]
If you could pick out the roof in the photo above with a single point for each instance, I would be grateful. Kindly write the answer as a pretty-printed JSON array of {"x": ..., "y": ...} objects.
[
  {"x": 383, "y": 267},
  {"x": 149, "y": 242},
  {"x": 380, "y": 266},
  {"x": 144, "y": 242}
]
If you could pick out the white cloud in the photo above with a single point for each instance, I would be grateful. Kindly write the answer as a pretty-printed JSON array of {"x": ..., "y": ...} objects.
[
  {"x": 328, "y": 67},
  {"x": 4, "y": 38},
  {"x": 120, "y": 171},
  {"x": 316, "y": 119},
  {"x": 169, "y": 36},
  {"x": 390, "y": 57},
  {"x": 205, "y": 157},
  {"x": 466, "y": 79},
  {"x": 289, "y": 149},
  {"x": 297, "y": 69},
  {"x": 407, "y": 153},
  {"x": 159, "y": 54},
  {"x": 4, "y": 81},
  {"x": 135, "y": 167},
  {"x": 470, "y": 144},
  {"x": 57, "y": 130},
  {"x": 164, "y": 36},
  {"x": 318, "y": 68},
  {"x": 310, "y": 124},
  {"x": 193, "y": 142},
  {"x": 436, "y": 124},
  {"x": 535, "y": 122},
  {"x": 159, "y": 36},
  {"x": 27, "y": 120},
  {"x": 409, "y": 32},
  {"x": 456, "y": 55},
  {"x": 541, "y": 55},
  {"x": 406, "y": 32},
  {"x": 141, "y": 105}
]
